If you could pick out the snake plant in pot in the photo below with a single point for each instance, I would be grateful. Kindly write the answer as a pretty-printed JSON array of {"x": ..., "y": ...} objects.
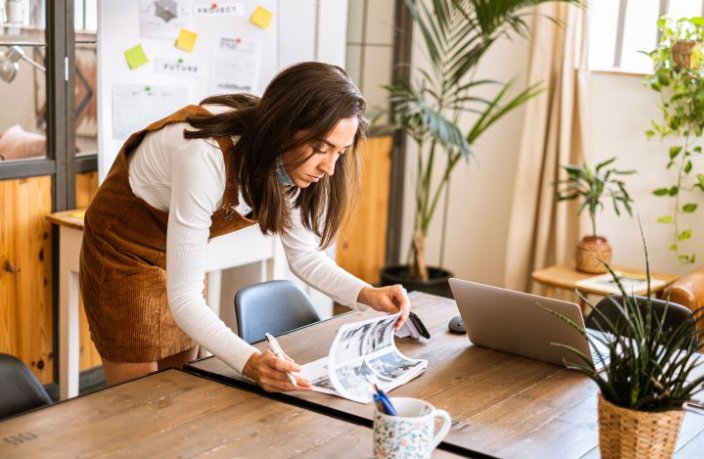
[
  {"x": 651, "y": 372},
  {"x": 455, "y": 36}
]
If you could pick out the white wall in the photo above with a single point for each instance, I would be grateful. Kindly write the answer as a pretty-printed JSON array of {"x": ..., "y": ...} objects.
[
  {"x": 481, "y": 191},
  {"x": 621, "y": 110}
]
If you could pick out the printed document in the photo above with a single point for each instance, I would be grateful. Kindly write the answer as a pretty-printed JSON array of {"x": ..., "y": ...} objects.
[{"x": 363, "y": 353}]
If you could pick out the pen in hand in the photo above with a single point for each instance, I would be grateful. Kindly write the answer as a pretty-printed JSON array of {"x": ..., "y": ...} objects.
[{"x": 275, "y": 347}]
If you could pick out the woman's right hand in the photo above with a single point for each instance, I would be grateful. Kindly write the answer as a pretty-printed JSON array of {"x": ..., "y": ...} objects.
[{"x": 269, "y": 372}]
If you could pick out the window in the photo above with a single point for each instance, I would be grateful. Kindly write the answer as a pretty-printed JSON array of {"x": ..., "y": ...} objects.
[
  {"x": 621, "y": 29},
  {"x": 38, "y": 133}
]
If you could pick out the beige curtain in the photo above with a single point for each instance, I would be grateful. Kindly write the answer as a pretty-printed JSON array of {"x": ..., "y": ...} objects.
[{"x": 542, "y": 233}]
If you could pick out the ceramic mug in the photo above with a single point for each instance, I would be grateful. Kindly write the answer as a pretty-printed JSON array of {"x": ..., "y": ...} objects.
[{"x": 411, "y": 434}]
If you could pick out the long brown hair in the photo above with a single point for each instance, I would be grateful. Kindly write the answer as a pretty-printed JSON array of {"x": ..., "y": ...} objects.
[{"x": 307, "y": 99}]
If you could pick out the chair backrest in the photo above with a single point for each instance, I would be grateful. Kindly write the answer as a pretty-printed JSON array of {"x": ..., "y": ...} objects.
[
  {"x": 675, "y": 314},
  {"x": 20, "y": 390},
  {"x": 274, "y": 307}
]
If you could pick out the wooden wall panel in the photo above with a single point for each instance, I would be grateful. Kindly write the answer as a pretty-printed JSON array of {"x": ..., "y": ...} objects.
[
  {"x": 26, "y": 317},
  {"x": 25, "y": 275},
  {"x": 86, "y": 186},
  {"x": 361, "y": 243}
]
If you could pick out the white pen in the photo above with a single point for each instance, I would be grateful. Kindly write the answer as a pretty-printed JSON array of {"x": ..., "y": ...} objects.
[{"x": 278, "y": 352}]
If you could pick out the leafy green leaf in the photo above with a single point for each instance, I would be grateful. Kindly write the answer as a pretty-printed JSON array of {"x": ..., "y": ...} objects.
[
  {"x": 673, "y": 190},
  {"x": 687, "y": 167},
  {"x": 661, "y": 192},
  {"x": 684, "y": 235},
  {"x": 674, "y": 151},
  {"x": 689, "y": 208},
  {"x": 686, "y": 259},
  {"x": 665, "y": 219}
]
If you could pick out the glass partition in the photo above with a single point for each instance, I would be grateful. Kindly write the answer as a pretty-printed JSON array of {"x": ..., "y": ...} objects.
[{"x": 22, "y": 80}]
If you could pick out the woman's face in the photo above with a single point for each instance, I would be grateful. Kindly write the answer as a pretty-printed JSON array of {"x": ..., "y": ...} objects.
[{"x": 311, "y": 162}]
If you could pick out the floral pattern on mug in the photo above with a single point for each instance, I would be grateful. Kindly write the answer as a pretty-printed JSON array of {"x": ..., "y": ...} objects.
[{"x": 401, "y": 438}]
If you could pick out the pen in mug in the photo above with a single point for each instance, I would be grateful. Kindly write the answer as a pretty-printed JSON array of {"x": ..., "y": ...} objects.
[
  {"x": 382, "y": 399},
  {"x": 278, "y": 352}
]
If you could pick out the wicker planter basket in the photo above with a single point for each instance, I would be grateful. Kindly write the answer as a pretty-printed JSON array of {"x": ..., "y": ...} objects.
[{"x": 625, "y": 433}]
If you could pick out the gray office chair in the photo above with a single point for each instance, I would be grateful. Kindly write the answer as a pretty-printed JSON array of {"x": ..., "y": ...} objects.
[
  {"x": 274, "y": 307},
  {"x": 21, "y": 390},
  {"x": 676, "y": 314}
]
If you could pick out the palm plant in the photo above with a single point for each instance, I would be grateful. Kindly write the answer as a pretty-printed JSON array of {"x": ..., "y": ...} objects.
[{"x": 455, "y": 35}]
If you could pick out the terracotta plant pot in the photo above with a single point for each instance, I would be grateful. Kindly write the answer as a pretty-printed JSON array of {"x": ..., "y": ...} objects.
[
  {"x": 626, "y": 434},
  {"x": 590, "y": 251},
  {"x": 682, "y": 53}
]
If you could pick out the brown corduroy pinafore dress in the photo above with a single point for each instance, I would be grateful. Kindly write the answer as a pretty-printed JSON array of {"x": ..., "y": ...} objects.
[{"x": 123, "y": 259}]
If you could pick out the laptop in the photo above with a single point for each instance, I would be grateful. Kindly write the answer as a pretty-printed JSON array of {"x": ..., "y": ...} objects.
[{"x": 515, "y": 322}]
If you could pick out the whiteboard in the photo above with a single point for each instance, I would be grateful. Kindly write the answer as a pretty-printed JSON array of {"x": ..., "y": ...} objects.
[{"x": 300, "y": 30}]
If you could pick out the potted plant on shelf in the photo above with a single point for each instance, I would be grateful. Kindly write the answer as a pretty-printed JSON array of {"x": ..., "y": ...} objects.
[
  {"x": 455, "y": 35},
  {"x": 648, "y": 377},
  {"x": 678, "y": 76},
  {"x": 592, "y": 186}
]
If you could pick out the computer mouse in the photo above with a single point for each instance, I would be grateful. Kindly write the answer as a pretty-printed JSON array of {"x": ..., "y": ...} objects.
[{"x": 456, "y": 325}]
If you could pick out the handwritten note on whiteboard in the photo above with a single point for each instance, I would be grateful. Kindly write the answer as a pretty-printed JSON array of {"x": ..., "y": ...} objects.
[
  {"x": 135, "y": 106},
  {"x": 238, "y": 63},
  {"x": 218, "y": 8},
  {"x": 178, "y": 67}
]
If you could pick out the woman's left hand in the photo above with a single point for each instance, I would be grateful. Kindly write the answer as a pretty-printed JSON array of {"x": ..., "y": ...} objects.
[{"x": 391, "y": 299}]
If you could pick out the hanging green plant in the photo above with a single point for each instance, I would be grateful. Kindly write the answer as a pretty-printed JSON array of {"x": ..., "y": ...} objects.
[{"x": 678, "y": 75}]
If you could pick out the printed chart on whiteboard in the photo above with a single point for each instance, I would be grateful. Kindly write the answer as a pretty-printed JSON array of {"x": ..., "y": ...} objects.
[{"x": 135, "y": 106}]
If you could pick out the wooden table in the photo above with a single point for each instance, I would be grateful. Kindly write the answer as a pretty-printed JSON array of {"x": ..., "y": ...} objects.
[
  {"x": 565, "y": 276},
  {"x": 176, "y": 414},
  {"x": 501, "y": 405},
  {"x": 229, "y": 251}
]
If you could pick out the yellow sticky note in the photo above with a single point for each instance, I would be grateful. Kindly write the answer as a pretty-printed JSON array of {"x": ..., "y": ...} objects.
[
  {"x": 136, "y": 57},
  {"x": 186, "y": 40},
  {"x": 79, "y": 214},
  {"x": 261, "y": 17}
]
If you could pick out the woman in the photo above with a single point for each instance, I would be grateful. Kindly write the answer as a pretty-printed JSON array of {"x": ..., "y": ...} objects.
[{"x": 284, "y": 162}]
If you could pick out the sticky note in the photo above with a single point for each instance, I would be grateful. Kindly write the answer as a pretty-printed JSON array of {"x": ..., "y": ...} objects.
[
  {"x": 136, "y": 57},
  {"x": 79, "y": 214},
  {"x": 261, "y": 17},
  {"x": 186, "y": 40}
]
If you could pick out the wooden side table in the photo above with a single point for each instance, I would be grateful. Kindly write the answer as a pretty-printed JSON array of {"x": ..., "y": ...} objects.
[{"x": 565, "y": 276}]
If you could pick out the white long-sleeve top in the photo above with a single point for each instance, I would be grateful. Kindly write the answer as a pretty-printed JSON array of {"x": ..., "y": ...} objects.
[{"x": 187, "y": 179}]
